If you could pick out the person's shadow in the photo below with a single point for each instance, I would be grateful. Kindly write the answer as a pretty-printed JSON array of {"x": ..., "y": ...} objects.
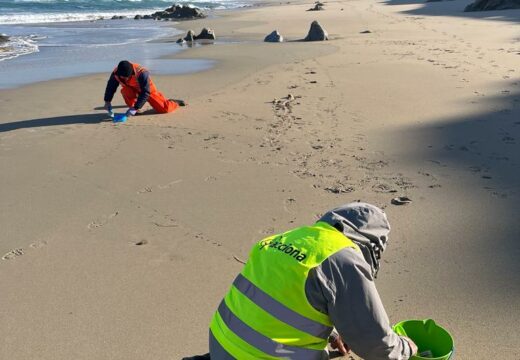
[
  {"x": 95, "y": 118},
  {"x": 54, "y": 121}
]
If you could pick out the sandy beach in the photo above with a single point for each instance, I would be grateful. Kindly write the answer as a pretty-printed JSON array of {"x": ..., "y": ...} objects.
[{"x": 118, "y": 241}]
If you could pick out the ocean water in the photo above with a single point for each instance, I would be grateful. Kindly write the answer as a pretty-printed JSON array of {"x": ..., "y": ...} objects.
[
  {"x": 37, "y": 11},
  {"x": 52, "y": 39}
]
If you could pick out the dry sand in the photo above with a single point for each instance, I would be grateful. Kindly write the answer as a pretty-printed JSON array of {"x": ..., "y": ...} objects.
[{"x": 120, "y": 240}]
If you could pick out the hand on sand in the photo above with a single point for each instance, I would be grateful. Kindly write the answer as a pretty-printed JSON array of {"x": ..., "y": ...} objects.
[
  {"x": 131, "y": 112},
  {"x": 336, "y": 342}
]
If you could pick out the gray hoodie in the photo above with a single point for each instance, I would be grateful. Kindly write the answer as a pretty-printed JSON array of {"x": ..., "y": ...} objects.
[{"x": 343, "y": 287}]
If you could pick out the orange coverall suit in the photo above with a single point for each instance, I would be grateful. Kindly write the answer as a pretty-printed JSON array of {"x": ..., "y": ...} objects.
[{"x": 138, "y": 89}]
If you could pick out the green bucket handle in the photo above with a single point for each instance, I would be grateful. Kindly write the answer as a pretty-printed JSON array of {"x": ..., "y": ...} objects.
[{"x": 428, "y": 324}]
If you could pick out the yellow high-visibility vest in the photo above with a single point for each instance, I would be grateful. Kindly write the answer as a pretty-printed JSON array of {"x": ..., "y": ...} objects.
[{"x": 266, "y": 314}]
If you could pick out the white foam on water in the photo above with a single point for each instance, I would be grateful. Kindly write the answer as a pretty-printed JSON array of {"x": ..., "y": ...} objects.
[
  {"x": 24, "y": 17},
  {"x": 41, "y": 18},
  {"x": 17, "y": 46}
]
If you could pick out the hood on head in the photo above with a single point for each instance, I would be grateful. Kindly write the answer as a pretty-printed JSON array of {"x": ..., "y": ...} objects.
[{"x": 366, "y": 225}]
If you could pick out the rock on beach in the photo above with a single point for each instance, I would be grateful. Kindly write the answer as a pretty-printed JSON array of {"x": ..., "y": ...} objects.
[
  {"x": 485, "y": 5},
  {"x": 275, "y": 36},
  {"x": 316, "y": 32}
]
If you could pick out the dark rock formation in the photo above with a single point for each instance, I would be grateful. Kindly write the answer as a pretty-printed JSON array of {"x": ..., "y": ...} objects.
[
  {"x": 190, "y": 36},
  {"x": 206, "y": 34},
  {"x": 118, "y": 17},
  {"x": 483, "y": 5},
  {"x": 179, "y": 12},
  {"x": 317, "y": 7},
  {"x": 138, "y": 17},
  {"x": 275, "y": 36},
  {"x": 316, "y": 33},
  {"x": 3, "y": 38}
]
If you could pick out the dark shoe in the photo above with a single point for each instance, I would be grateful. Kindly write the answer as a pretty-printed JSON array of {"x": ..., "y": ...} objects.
[
  {"x": 198, "y": 357},
  {"x": 179, "y": 102}
]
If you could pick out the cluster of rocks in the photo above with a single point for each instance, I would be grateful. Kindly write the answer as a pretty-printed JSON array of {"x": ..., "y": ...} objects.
[
  {"x": 205, "y": 34},
  {"x": 483, "y": 5},
  {"x": 179, "y": 12},
  {"x": 175, "y": 12},
  {"x": 316, "y": 33},
  {"x": 318, "y": 6}
]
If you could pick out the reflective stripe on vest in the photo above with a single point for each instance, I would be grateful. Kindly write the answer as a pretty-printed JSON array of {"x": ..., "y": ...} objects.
[
  {"x": 262, "y": 342},
  {"x": 266, "y": 314},
  {"x": 279, "y": 310}
]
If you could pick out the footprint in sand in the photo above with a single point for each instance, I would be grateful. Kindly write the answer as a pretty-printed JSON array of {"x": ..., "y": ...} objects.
[
  {"x": 267, "y": 231},
  {"x": 101, "y": 221},
  {"x": 164, "y": 221},
  {"x": 201, "y": 236},
  {"x": 146, "y": 189},
  {"x": 288, "y": 203},
  {"x": 169, "y": 185},
  {"x": 500, "y": 195},
  {"x": 38, "y": 244},
  {"x": 384, "y": 188},
  {"x": 12, "y": 254},
  {"x": 438, "y": 163}
]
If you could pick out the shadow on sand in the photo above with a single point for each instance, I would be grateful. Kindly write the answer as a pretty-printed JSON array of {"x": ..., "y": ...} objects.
[
  {"x": 65, "y": 120},
  {"x": 455, "y": 8},
  {"x": 484, "y": 147},
  {"x": 54, "y": 121}
]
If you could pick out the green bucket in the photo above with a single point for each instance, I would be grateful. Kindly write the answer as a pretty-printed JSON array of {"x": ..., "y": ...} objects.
[{"x": 433, "y": 341}]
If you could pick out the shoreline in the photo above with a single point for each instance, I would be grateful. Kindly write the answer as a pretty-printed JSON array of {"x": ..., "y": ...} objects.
[{"x": 120, "y": 240}]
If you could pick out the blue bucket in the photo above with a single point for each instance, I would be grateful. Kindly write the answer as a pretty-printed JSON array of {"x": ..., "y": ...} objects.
[{"x": 119, "y": 118}]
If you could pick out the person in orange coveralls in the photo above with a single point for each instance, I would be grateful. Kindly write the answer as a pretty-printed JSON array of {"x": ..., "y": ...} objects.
[{"x": 137, "y": 88}]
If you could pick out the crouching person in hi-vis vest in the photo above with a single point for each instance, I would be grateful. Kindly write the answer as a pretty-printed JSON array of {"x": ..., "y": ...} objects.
[
  {"x": 137, "y": 88},
  {"x": 297, "y": 287}
]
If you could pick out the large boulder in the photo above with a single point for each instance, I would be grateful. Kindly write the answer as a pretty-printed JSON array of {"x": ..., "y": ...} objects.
[
  {"x": 316, "y": 33},
  {"x": 180, "y": 12},
  {"x": 206, "y": 34},
  {"x": 275, "y": 36},
  {"x": 483, "y": 5},
  {"x": 3, "y": 38}
]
